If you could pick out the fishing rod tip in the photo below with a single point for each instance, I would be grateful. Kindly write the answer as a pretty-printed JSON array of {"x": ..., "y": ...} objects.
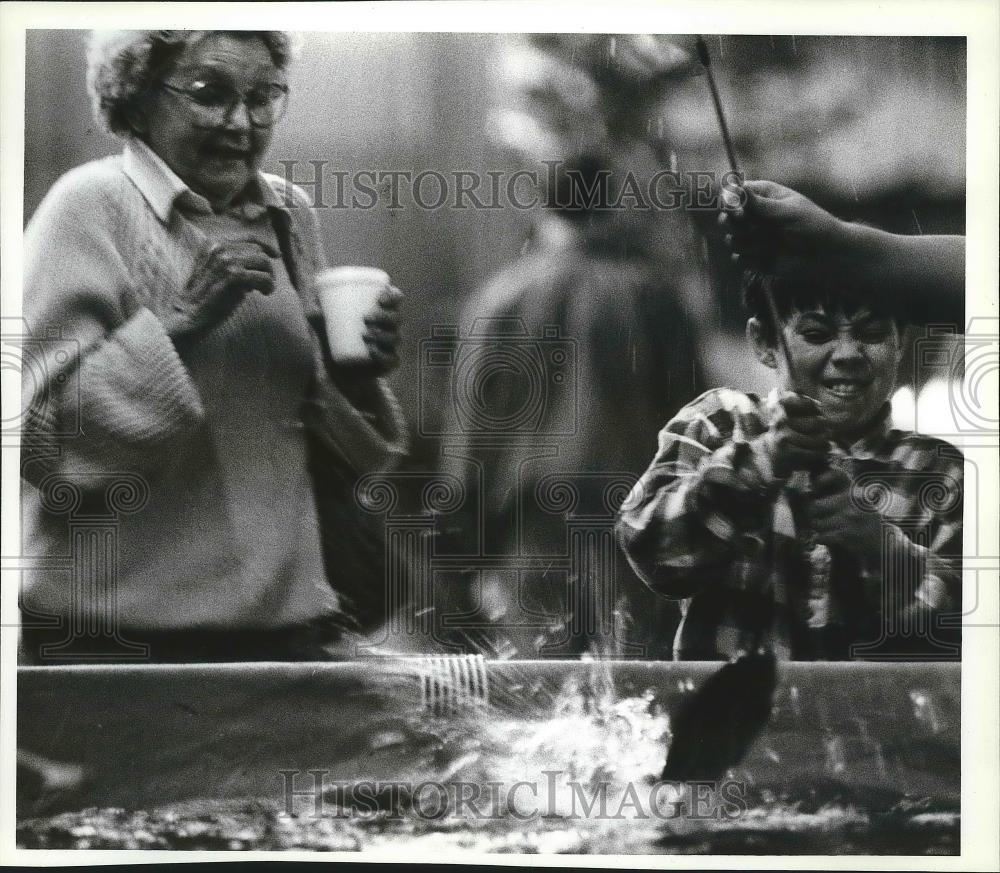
[{"x": 702, "y": 48}]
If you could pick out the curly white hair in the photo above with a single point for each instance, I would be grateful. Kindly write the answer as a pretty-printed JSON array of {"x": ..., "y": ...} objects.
[{"x": 122, "y": 65}]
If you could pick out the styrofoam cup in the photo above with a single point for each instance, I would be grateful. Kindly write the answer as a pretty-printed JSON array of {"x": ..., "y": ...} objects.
[{"x": 346, "y": 296}]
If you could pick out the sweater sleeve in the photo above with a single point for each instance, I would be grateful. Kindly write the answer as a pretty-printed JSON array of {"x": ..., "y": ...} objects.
[
  {"x": 101, "y": 380},
  {"x": 702, "y": 501}
]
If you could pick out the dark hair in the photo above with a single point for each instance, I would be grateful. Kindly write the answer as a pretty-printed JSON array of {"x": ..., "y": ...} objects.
[{"x": 815, "y": 292}]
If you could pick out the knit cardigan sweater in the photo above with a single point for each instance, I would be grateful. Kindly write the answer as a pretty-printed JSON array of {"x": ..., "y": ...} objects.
[{"x": 166, "y": 492}]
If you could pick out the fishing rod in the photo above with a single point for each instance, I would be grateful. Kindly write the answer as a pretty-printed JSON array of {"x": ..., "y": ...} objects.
[
  {"x": 706, "y": 62},
  {"x": 819, "y": 555},
  {"x": 715, "y": 727}
]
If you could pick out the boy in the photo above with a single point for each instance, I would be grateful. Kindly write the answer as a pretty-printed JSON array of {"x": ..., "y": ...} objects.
[{"x": 804, "y": 523}]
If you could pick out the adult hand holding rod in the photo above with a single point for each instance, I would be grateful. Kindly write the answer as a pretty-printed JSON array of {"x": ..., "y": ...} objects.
[{"x": 775, "y": 226}]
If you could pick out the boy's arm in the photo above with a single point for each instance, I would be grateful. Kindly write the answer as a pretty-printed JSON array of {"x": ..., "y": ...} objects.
[
  {"x": 702, "y": 500},
  {"x": 935, "y": 565},
  {"x": 920, "y": 556}
]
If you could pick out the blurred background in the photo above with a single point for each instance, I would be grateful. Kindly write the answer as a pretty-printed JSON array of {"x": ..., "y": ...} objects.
[{"x": 873, "y": 128}]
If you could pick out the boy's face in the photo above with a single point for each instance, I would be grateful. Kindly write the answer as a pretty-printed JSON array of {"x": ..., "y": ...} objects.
[{"x": 847, "y": 363}]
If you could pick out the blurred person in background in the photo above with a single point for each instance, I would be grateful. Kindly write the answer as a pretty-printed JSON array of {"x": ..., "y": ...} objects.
[
  {"x": 195, "y": 402},
  {"x": 554, "y": 442}
]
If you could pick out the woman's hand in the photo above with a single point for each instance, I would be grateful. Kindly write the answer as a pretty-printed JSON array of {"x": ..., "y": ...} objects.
[
  {"x": 382, "y": 331},
  {"x": 218, "y": 284}
]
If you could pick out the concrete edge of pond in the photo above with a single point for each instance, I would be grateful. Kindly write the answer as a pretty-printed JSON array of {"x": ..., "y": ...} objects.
[{"x": 146, "y": 735}]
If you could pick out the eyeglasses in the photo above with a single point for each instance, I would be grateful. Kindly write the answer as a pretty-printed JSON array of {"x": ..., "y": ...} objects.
[{"x": 217, "y": 100}]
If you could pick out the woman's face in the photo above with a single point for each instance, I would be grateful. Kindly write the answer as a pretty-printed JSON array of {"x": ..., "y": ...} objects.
[{"x": 213, "y": 152}]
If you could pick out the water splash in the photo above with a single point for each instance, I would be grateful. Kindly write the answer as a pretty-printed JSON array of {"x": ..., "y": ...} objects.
[{"x": 570, "y": 738}]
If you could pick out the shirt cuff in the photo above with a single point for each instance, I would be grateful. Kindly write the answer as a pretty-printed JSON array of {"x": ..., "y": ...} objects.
[
  {"x": 934, "y": 592},
  {"x": 160, "y": 374}
]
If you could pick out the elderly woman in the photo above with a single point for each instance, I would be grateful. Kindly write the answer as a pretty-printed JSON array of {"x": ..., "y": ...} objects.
[{"x": 190, "y": 448}]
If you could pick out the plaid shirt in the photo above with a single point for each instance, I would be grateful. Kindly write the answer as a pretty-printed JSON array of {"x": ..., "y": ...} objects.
[{"x": 709, "y": 524}]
